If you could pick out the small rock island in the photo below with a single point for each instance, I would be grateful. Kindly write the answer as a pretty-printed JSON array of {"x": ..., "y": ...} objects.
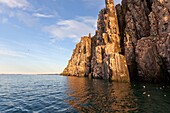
[{"x": 131, "y": 43}]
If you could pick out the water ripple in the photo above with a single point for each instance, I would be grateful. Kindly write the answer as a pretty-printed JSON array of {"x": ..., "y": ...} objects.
[{"x": 59, "y": 94}]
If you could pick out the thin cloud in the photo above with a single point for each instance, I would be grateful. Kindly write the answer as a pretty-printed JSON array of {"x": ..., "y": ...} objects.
[
  {"x": 4, "y": 20},
  {"x": 91, "y": 21},
  {"x": 24, "y": 17},
  {"x": 11, "y": 53},
  {"x": 43, "y": 15},
  {"x": 15, "y": 3},
  {"x": 17, "y": 9},
  {"x": 63, "y": 49},
  {"x": 74, "y": 28}
]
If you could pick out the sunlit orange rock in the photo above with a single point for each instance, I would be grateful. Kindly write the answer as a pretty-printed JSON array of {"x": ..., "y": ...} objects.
[
  {"x": 106, "y": 60},
  {"x": 131, "y": 43},
  {"x": 79, "y": 64}
]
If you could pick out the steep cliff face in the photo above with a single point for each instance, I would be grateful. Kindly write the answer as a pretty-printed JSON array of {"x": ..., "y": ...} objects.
[
  {"x": 145, "y": 29},
  {"x": 106, "y": 62},
  {"x": 132, "y": 42},
  {"x": 134, "y": 24},
  {"x": 79, "y": 64},
  {"x": 154, "y": 61}
]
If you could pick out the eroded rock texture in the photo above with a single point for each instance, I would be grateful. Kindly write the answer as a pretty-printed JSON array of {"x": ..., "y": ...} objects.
[
  {"x": 153, "y": 59},
  {"x": 145, "y": 27},
  {"x": 134, "y": 24},
  {"x": 134, "y": 39},
  {"x": 106, "y": 62},
  {"x": 79, "y": 64}
]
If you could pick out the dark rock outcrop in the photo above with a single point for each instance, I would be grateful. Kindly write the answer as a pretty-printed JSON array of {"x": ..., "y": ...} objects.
[
  {"x": 134, "y": 25},
  {"x": 153, "y": 59},
  {"x": 132, "y": 42},
  {"x": 145, "y": 27}
]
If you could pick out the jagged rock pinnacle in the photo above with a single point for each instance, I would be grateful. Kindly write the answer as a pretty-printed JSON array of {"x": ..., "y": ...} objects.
[
  {"x": 109, "y": 2},
  {"x": 104, "y": 60},
  {"x": 143, "y": 26}
]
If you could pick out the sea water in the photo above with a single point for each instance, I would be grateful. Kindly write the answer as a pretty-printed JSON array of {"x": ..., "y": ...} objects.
[{"x": 60, "y": 94}]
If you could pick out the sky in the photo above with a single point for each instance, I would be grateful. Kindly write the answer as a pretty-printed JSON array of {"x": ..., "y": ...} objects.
[{"x": 38, "y": 36}]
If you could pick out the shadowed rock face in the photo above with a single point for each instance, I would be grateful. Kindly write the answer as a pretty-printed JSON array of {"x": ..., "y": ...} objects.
[
  {"x": 132, "y": 42},
  {"x": 145, "y": 29},
  {"x": 133, "y": 24},
  {"x": 153, "y": 59}
]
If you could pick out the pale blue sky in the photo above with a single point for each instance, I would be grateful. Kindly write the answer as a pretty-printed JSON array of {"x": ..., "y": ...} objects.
[{"x": 38, "y": 36}]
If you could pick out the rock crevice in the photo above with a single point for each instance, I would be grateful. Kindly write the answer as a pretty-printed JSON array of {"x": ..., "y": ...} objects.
[
  {"x": 105, "y": 60},
  {"x": 145, "y": 27},
  {"x": 132, "y": 42}
]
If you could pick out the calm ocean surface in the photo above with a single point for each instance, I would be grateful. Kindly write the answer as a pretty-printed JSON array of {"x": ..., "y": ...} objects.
[{"x": 60, "y": 94}]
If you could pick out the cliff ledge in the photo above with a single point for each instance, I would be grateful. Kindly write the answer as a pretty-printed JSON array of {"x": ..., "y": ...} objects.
[{"x": 132, "y": 42}]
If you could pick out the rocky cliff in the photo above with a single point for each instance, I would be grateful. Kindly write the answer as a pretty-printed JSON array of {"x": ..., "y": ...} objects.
[
  {"x": 131, "y": 43},
  {"x": 102, "y": 58},
  {"x": 145, "y": 33},
  {"x": 80, "y": 62}
]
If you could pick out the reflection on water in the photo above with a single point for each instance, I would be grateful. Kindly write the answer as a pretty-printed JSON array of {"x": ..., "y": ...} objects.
[
  {"x": 101, "y": 96},
  {"x": 60, "y": 94}
]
